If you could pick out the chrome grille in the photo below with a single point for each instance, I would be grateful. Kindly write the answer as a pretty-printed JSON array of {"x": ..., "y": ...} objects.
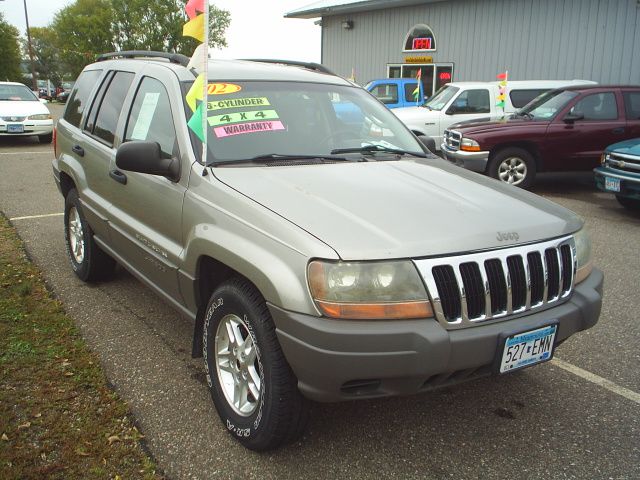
[
  {"x": 622, "y": 162},
  {"x": 452, "y": 139},
  {"x": 469, "y": 289}
]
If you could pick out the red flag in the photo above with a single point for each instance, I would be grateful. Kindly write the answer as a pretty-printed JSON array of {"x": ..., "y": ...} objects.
[
  {"x": 419, "y": 74},
  {"x": 501, "y": 76},
  {"x": 192, "y": 6}
]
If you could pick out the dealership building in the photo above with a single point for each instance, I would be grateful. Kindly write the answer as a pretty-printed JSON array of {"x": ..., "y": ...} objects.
[{"x": 460, "y": 40}]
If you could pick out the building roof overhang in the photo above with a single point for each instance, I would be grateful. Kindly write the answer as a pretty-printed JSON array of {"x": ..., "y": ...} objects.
[{"x": 332, "y": 7}]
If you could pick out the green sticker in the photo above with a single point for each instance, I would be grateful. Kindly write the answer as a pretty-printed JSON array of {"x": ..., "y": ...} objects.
[
  {"x": 237, "y": 117},
  {"x": 238, "y": 103}
]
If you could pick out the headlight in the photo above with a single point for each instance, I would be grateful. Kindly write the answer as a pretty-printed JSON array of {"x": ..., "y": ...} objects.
[
  {"x": 40, "y": 116},
  {"x": 603, "y": 158},
  {"x": 583, "y": 254},
  {"x": 368, "y": 290},
  {"x": 469, "y": 145}
]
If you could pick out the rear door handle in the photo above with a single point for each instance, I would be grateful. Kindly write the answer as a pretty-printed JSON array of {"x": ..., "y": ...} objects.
[
  {"x": 78, "y": 149},
  {"x": 118, "y": 176},
  {"x": 618, "y": 130}
]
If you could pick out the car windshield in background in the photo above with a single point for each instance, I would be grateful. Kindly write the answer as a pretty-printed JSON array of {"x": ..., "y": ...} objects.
[
  {"x": 547, "y": 105},
  {"x": 17, "y": 93},
  {"x": 250, "y": 120},
  {"x": 441, "y": 97}
]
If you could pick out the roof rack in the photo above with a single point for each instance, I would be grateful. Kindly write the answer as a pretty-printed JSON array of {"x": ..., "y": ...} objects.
[
  {"x": 310, "y": 65},
  {"x": 172, "y": 57}
]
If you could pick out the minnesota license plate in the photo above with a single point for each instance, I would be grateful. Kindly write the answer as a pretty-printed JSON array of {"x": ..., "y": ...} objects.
[
  {"x": 15, "y": 128},
  {"x": 528, "y": 348},
  {"x": 612, "y": 184}
]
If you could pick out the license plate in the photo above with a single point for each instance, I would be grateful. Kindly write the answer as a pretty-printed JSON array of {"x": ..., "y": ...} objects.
[
  {"x": 612, "y": 184},
  {"x": 528, "y": 348},
  {"x": 15, "y": 128}
]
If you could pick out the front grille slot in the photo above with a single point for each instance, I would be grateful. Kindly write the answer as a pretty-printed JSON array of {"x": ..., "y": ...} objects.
[
  {"x": 623, "y": 163},
  {"x": 472, "y": 288}
]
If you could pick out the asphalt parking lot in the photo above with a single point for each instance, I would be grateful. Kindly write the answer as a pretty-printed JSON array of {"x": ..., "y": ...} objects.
[{"x": 577, "y": 417}]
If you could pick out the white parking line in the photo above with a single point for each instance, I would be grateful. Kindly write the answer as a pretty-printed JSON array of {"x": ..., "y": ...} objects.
[
  {"x": 25, "y": 153},
  {"x": 29, "y": 217},
  {"x": 603, "y": 382}
]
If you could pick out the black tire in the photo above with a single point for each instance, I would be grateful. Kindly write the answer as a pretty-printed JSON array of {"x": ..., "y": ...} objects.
[
  {"x": 91, "y": 263},
  {"x": 630, "y": 203},
  {"x": 278, "y": 414},
  {"x": 45, "y": 138},
  {"x": 508, "y": 164}
]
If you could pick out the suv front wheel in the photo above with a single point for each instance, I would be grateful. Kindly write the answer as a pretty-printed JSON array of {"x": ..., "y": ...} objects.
[
  {"x": 252, "y": 385},
  {"x": 514, "y": 166}
]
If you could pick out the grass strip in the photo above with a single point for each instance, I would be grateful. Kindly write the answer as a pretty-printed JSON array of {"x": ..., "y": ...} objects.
[{"x": 58, "y": 416}]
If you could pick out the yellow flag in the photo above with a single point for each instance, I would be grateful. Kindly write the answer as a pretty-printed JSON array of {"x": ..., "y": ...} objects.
[
  {"x": 195, "y": 92},
  {"x": 501, "y": 97},
  {"x": 194, "y": 28}
]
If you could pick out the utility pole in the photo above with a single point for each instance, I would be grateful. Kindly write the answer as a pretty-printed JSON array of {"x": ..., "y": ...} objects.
[{"x": 33, "y": 65}]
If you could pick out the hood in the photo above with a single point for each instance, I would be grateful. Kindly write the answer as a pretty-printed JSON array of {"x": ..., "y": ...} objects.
[
  {"x": 628, "y": 147},
  {"x": 400, "y": 209},
  {"x": 485, "y": 125},
  {"x": 21, "y": 109},
  {"x": 416, "y": 114}
]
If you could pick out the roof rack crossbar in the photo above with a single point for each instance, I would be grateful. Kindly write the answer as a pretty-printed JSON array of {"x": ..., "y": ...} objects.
[
  {"x": 310, "y": 65},
  {"x": 172, "y": 57}
]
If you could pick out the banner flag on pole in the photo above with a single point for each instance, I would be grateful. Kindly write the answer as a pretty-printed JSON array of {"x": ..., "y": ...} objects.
[
  {"x": 195, "y": 123},
  {"x": 194, "y": 6},
  {"x": 502, "y": 89},
  {"x": 197, "y": 58},
  {"x": 194, "y": 28},
  {"x": 416, "y": 92},
  {"x": 195, "y": 92}
]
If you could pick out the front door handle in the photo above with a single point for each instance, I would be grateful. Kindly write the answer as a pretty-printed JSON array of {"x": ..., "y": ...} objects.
[
  {"x": 118, "y": 176},
  {"x": 618, "y": 130},
  {"x": 78, "y": 150}
]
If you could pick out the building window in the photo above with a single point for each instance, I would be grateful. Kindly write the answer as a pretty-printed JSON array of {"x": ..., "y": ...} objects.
[{"x": 420, "y": 39}]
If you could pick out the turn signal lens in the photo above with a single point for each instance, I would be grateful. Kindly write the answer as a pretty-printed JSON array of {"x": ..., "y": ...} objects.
[
  {"x": 469, "y": 145},
  {"x": 583, "y": 255},
  {"x": 368, "y": 290}
]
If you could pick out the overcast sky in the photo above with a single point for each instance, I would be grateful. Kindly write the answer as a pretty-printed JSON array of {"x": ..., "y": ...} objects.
[{"x": 258, "y": 29}]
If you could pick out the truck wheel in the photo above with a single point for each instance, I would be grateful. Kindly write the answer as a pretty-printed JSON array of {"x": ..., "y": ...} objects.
[
  {"x": 87, "y": 260},
  {"x": 252, "y": 385},
  {"x": 514, "y": 166},
  {"x": 45, "y": 138},
  {"x": 630, "y": 203}
]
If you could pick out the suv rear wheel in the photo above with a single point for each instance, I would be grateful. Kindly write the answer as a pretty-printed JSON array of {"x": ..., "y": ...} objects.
[
  {"x": 251, "y": 383},
  {"x": 87, "y": 260},
  {"x": 514, "y": 166}
]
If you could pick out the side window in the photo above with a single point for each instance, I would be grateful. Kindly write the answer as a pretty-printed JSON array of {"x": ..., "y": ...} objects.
[
  {"x": 519, "y": 98},
  {"x": 109, "y": 111},
  {"x": 387, "y": 93},
  {"x": 79, "y": 96},
  {"x": 472, "y": 101},
  {"x": 150, "y": 118},
  {"x": 632, "y": 105},
  {"x": 597, "y": 106}
]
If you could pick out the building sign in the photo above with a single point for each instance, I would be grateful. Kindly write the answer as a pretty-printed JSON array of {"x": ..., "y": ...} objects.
[
  {"x": 444, "y": 76},
  {"x": 418, "y": 60},
  {"x": 420, "y": 39}
]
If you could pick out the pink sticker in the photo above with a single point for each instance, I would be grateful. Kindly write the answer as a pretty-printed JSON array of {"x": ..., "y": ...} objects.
[{"x": 230, "y": 130}]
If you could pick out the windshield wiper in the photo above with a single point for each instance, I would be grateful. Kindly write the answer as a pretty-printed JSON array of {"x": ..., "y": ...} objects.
[
  {"x": 524, "y": 114},
  {"x": 277, "y": 157},
  {"x": 377, "y": 148}
]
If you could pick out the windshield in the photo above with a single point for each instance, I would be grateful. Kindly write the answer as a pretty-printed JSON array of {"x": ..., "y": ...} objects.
[
  {"x": 18, "y": 93},
  {"x": 257, "y": 119},
  {"x": 441, "y": 97},
  {"x": 547, "y": 105}
]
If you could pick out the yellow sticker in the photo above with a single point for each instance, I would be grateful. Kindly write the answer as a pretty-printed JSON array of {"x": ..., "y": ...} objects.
[{"x": 222, "y": 88}]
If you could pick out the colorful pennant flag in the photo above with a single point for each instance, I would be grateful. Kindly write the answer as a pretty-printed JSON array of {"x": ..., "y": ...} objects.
[
  {"x": 195, "y": 92},
  {"x": 194, "y": 6},
  {"x": 502, "y": 89},
  {"x": 195, "y": 123},
  {"x": 416, "y": 92},
  {"x": 194, "y": 28}
]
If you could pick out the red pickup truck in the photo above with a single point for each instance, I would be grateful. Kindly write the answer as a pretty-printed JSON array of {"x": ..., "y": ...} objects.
[{"x": 561, "y": 130}]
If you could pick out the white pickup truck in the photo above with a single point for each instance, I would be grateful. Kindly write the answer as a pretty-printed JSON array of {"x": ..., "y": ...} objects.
[{"x": 462, "y": 101}]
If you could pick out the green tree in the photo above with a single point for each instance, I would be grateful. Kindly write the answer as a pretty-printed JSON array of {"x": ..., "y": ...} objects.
[
  {"x": 10, "y": 57},
  {"x": 46, "y": 54},
  {"x": 144, "y": 25},
  {"x": 83, "y": 31}
]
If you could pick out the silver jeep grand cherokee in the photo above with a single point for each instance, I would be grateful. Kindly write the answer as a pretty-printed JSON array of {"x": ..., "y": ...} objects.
[{"x": 320, "y": 250}]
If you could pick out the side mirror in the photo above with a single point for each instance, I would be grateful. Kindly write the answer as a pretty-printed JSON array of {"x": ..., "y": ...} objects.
[
  {"x": 146, "y": 157},
  {"x": 428, "y": 142},
  {"x": 572, "y": 117}
]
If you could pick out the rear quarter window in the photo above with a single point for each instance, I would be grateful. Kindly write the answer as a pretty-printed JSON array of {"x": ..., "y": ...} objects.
[
  {"x": 632, "y": 105},
  {"x": 519, "y": 98},
  {"x": 80, "y": 96}
]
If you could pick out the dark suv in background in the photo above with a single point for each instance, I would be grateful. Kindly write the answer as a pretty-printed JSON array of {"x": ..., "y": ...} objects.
[{"x": 563, "y": 130}]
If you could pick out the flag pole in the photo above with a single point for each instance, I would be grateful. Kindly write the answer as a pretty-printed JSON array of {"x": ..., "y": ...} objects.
[{"x": 205, "y": 83}]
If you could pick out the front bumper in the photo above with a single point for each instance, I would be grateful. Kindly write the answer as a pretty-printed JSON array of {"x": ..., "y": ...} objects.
[
  {"x": 475, "y": 161},
  {"x": 30, "y": 127},
  {"x": 336, "y": 360},
  {"x": 629, "y": 182}
]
